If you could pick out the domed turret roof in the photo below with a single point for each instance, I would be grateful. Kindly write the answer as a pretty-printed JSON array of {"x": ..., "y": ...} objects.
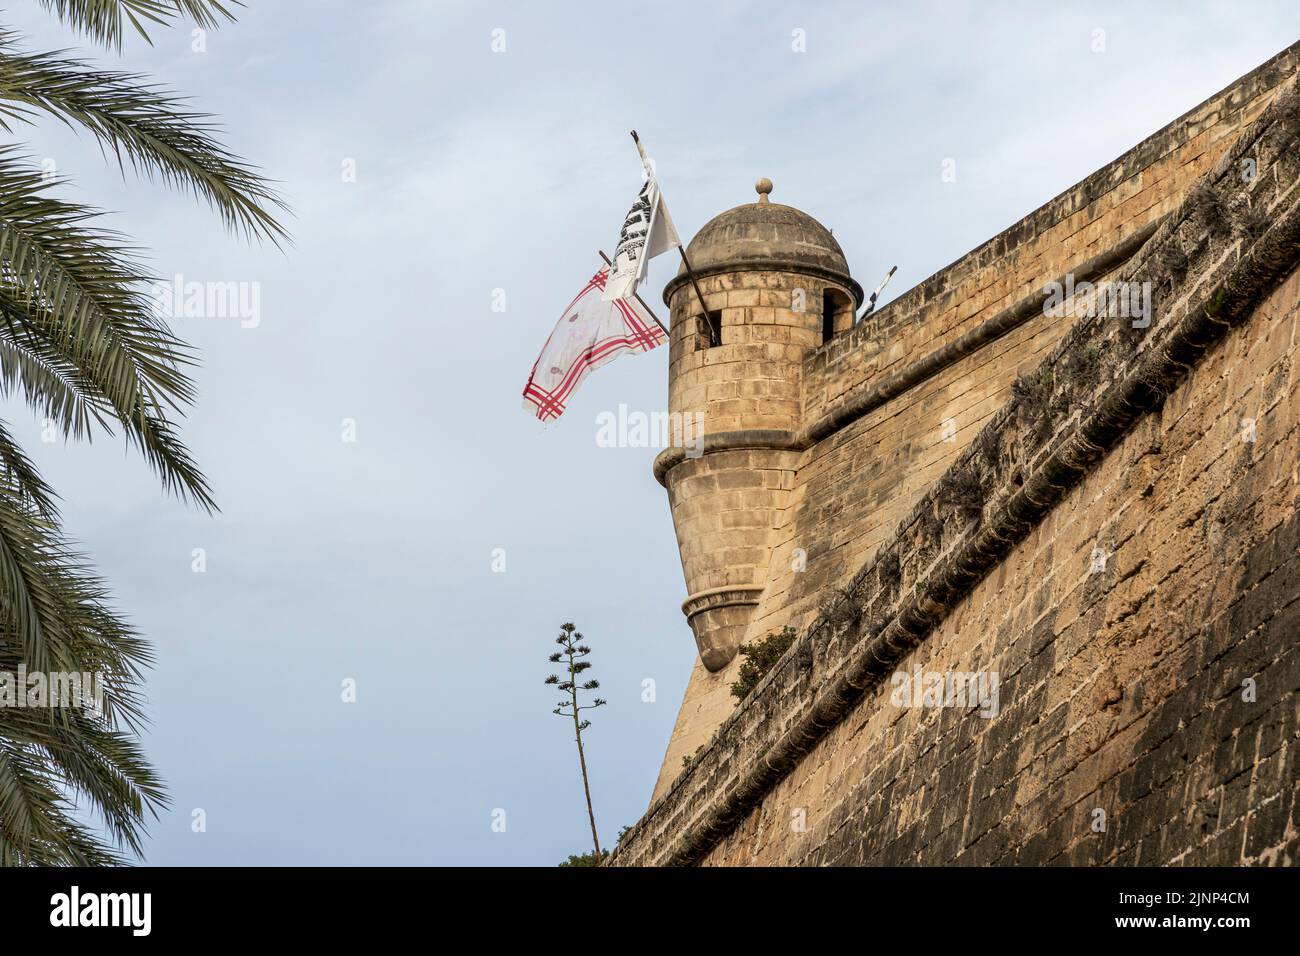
[{"x": 766, "y": 235}]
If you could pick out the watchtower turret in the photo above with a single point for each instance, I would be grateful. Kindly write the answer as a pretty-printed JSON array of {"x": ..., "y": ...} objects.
[{"x": 776, "y": 286}]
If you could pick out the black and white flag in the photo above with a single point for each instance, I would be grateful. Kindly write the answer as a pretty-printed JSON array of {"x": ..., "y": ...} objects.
[{"x": 647, "y": 231}]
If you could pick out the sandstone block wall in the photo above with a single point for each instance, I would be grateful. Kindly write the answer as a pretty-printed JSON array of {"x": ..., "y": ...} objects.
[
  {"x": 754, "y": 379},
  {"x": 852, "y": 489},
  {"x": 1121, "y": 688},
  {"x": 727, "y": 504},
  {"x": 1171, "y": 453}
]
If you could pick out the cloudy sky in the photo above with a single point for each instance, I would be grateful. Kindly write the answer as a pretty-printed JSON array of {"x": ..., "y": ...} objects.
[{"x": 475, "y": 171}]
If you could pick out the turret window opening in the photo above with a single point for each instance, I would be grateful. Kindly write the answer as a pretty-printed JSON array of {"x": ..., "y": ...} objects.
[
  {"x": 837, "y": 314},
  {"x": 708, "y": 330}
]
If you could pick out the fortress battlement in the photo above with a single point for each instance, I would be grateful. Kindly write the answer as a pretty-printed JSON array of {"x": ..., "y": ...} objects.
[{"x": 1091, "y": 502}]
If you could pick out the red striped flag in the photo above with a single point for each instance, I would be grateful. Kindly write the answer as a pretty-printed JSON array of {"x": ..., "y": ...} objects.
[{"x": 592, "y": 332}]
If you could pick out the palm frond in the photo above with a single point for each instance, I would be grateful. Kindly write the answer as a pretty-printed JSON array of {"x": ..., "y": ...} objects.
[
  {"x": 36, "y": 826},
  {"x": 76, "y": 296},
  {"x": 50, "y": 753},
  {"x": 104, "y": 20},
  {"x": 80, "y": 343},
  {"x": 35, "y": 596},
  {"x": 53, "y": 614},
  {"x": 30, "y": 370},
  {"x": 34, "y": 823},
  {"x": 87, "y": 757},
  {"x": 150, "y": 128},
  {"x": 18, "y": 471}
]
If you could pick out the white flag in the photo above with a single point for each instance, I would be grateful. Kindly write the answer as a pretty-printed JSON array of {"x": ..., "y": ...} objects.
[
  {"x": 647, "y": 231},
  {"x": 590, "y": 333}
]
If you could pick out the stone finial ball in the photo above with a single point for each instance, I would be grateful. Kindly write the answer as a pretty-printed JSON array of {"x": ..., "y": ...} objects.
[{"x": 763, "y": 187}]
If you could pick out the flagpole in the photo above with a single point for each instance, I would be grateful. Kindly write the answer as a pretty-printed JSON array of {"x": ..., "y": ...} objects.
[
  {"x": 871, "y": 302},
  {"x": 636, "y": 295},
  {"x": 695, "y": 283}
]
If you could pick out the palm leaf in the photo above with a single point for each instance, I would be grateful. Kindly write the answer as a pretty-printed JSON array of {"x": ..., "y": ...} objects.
[
  {"x": 49, "y": 753},
  {"x": 148, "y": 127},
  {"x": 36, "y": 826},
  {"x": 91, "y": 760},
  {"x": 76, "y": 296},
  {"x": 80, "y": 344},
  {"x": 104, "y": 19},
  {"x": 17, "y": 470},
  {"x": 30, "y": 369}
]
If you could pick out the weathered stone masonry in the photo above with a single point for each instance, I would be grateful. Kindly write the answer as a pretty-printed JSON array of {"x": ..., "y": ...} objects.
[{"x": 1170, "y": 452}]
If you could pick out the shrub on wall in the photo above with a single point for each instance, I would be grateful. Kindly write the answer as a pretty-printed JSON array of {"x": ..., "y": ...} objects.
[{"x": 759, "y": 659}]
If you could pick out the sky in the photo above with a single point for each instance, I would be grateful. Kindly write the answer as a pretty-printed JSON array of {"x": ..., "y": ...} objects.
[{"x": 390, "y": 516}]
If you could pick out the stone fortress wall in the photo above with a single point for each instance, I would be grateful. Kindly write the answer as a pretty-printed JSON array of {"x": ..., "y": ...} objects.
[{"x": 1103, "y": 516}]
